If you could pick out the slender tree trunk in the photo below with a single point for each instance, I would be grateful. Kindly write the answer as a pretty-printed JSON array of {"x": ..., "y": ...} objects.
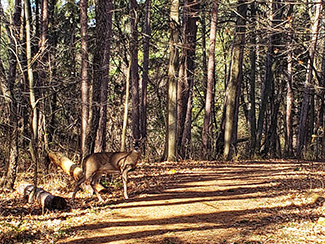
[
  {"x": 182, "y": 89},
  {"x": 126, "y": 109},
  {"x": 44, "y": 24},
  {"x": 32, "y": 98},
  {"x": 38, "y": 24},
  {"x": 207, "y": 124},
  {"x": 307, "y": 97},
  {"x": 84, "y": 78},
  {"x": 53, "y": 71},
  {"x": 185, "y": 146},
  {"x": 172, "y": 82},
  {"x": 235, "y": 80},
  {"x": 253, "y": 59},
  {"x": 321, "y": 114},
  {"x": 290, "y": 98},
  {"x": 43, "y": 74},
  {"x": 145, "y": 78},
  {"x": 289, "y": 115},
  {"x": 203, "y": 18},
  {"x": 134, "y": 70}
]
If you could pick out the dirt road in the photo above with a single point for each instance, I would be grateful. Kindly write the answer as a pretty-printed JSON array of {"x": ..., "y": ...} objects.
[{"x": 212, "y": 202}]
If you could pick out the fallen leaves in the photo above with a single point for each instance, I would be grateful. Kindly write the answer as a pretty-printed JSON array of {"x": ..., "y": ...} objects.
[{"x": 290, "y": 202}]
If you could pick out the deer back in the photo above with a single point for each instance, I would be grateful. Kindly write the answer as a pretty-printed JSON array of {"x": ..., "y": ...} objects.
[{"x": 99, "y": 162}]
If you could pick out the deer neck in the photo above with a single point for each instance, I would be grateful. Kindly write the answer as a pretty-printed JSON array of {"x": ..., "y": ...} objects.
[{"x": 135, "y": 155}]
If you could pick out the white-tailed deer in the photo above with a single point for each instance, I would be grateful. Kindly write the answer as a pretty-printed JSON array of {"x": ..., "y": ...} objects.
[{"x": 97, "y": 164}]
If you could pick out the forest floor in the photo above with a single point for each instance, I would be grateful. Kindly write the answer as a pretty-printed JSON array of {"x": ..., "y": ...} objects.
[{"x": 186, "y": 202}]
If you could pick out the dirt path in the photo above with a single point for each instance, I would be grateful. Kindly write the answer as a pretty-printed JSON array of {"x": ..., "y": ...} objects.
[{"x": 246, "y": 202}]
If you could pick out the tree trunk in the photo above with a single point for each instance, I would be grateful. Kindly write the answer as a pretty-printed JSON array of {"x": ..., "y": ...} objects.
[
  {"x": 145, "y": 78},
  {"x": 268, "y": 84},
  {"x": 321, "y": 113},
  {"x": 42, "y": 77},
  {"x": 172, "y": 82},
  {"x": 52, "y": 103},
  {"x": 207, "y": 124},
  {"x": 126, "y": 108},
  {"x": 233, "y": 86},
  {"x": 103, "y": 30},
  {"x": 290, "y": 98},
  {"x": 307, "y": 97},
  {"x": 100, "y": 76},
  {"x": 289, "y": 109},
  {"x": 253, "y": 59},
  {"x": 10, "y": 94},
  {"x": 44, "y": 24},
  {"x": 271, "y": 135},
  {"x": 84, "y": 78},
  {"x": 38, "y": 22},
  {"x": 191, "y": 14},
  {"x": 182, "y": 93},
  {"x": 32, "y": 97},
  {"x": 134, "y": 70}
]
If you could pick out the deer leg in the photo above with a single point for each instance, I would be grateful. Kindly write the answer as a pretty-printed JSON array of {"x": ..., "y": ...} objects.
[
  {"x": 77, "y": 188},
  {"x": 94, "y": 181},
  {"x": 125, "y": 179}
]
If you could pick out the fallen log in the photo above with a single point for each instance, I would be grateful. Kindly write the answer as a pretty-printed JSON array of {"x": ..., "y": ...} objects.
[
  {"x": 66, "y": 164},
  {"x": 44, "y": 198},
  {"x": 69, "y": 167}
]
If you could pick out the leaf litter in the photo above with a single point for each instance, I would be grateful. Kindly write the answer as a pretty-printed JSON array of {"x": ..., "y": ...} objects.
[{"x": 273, "y": 201}]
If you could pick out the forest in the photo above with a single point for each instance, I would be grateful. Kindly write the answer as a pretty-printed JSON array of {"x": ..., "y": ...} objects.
[
  {"x": 208, "y": 79},
  {"x": 197, "y": 81}
]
